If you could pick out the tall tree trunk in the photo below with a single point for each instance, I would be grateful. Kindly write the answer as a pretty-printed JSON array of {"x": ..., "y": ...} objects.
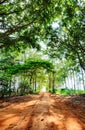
[
  {"x": 82, "y": 73},
  {"x": 74, "y": 80},
  {"x": 49, "y": 81},
  {"x": 35, "y": 82},
  {"x": 53, "y": 84},
  {"x": 65, "y": 82},
  {"x": 77, "y": 77}
]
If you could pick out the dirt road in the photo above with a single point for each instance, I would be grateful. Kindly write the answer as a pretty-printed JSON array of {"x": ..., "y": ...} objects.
[{"x": 44, "y": 111}]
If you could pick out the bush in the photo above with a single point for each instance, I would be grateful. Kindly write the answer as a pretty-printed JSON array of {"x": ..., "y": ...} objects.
[
  {"x": 24, "y": 88},
  {"x": 66, "y": 91},
  {"x": 5, "y": 88}
]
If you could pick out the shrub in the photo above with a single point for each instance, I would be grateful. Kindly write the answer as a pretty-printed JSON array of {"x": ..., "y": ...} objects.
[{"x": 24, "y": 88}]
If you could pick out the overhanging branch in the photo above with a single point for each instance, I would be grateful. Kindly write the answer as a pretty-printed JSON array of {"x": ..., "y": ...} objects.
[{"x": 15, "y": 29}]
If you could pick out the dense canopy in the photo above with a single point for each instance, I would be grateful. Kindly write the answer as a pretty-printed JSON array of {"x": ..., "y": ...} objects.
[
  {"x": 31, "y": 65},
  {"x": 26, "y": 23},
  {"x": 54, "y": 28}
]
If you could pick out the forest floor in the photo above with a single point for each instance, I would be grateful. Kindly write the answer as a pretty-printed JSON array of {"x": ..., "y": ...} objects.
[{"x": 43, "y": 111}]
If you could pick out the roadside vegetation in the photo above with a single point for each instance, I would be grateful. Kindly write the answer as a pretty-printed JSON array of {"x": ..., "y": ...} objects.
[
  {"x": 42, "y": 44},
  {"x": 66, "y": 91}
]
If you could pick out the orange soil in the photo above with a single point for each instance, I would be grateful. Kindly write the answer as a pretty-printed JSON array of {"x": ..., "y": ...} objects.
[{"x": 44, "y": 111}]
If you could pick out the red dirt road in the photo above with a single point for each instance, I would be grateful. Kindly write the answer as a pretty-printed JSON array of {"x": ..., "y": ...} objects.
[{"x": 43, "y": 112}]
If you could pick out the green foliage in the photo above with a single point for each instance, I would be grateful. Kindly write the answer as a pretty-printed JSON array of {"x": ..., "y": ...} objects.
[
  {"x": 67, "y": 40},
  {"x": 30, "y": 65},
  {"x": 24, "y": 88},
  {"x": 35, "y": 92},
  {"x": 24, "y": 22},
  {"x": 66, "y": 91},
  {"x": 5, "y": 88}
]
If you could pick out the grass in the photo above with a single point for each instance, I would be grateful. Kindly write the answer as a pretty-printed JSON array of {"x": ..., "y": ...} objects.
[{"x": 66, "y": 91}]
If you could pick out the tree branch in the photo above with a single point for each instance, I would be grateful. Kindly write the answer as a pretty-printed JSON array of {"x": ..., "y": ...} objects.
[
  {"x": 3, "y": 1},
  {"x": 15, "y": 29}
]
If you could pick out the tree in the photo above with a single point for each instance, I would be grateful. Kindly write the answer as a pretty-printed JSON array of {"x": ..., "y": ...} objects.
[
  {"x": 24, "y": 22},
  {"x": 67, "y": 39}
]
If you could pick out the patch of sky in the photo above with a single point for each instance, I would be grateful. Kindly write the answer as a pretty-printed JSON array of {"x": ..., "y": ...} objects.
[{"x": 55, "y": 25}]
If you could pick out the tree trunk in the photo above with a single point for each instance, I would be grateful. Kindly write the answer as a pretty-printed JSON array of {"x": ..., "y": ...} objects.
[
  {"x": 74, "y": 80},
  {"x": 82, "y": 73},
  {"x": 35, "y": 82},
  {"x": 49, "y": 81},
  {"x": 53, "y": 84}
]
